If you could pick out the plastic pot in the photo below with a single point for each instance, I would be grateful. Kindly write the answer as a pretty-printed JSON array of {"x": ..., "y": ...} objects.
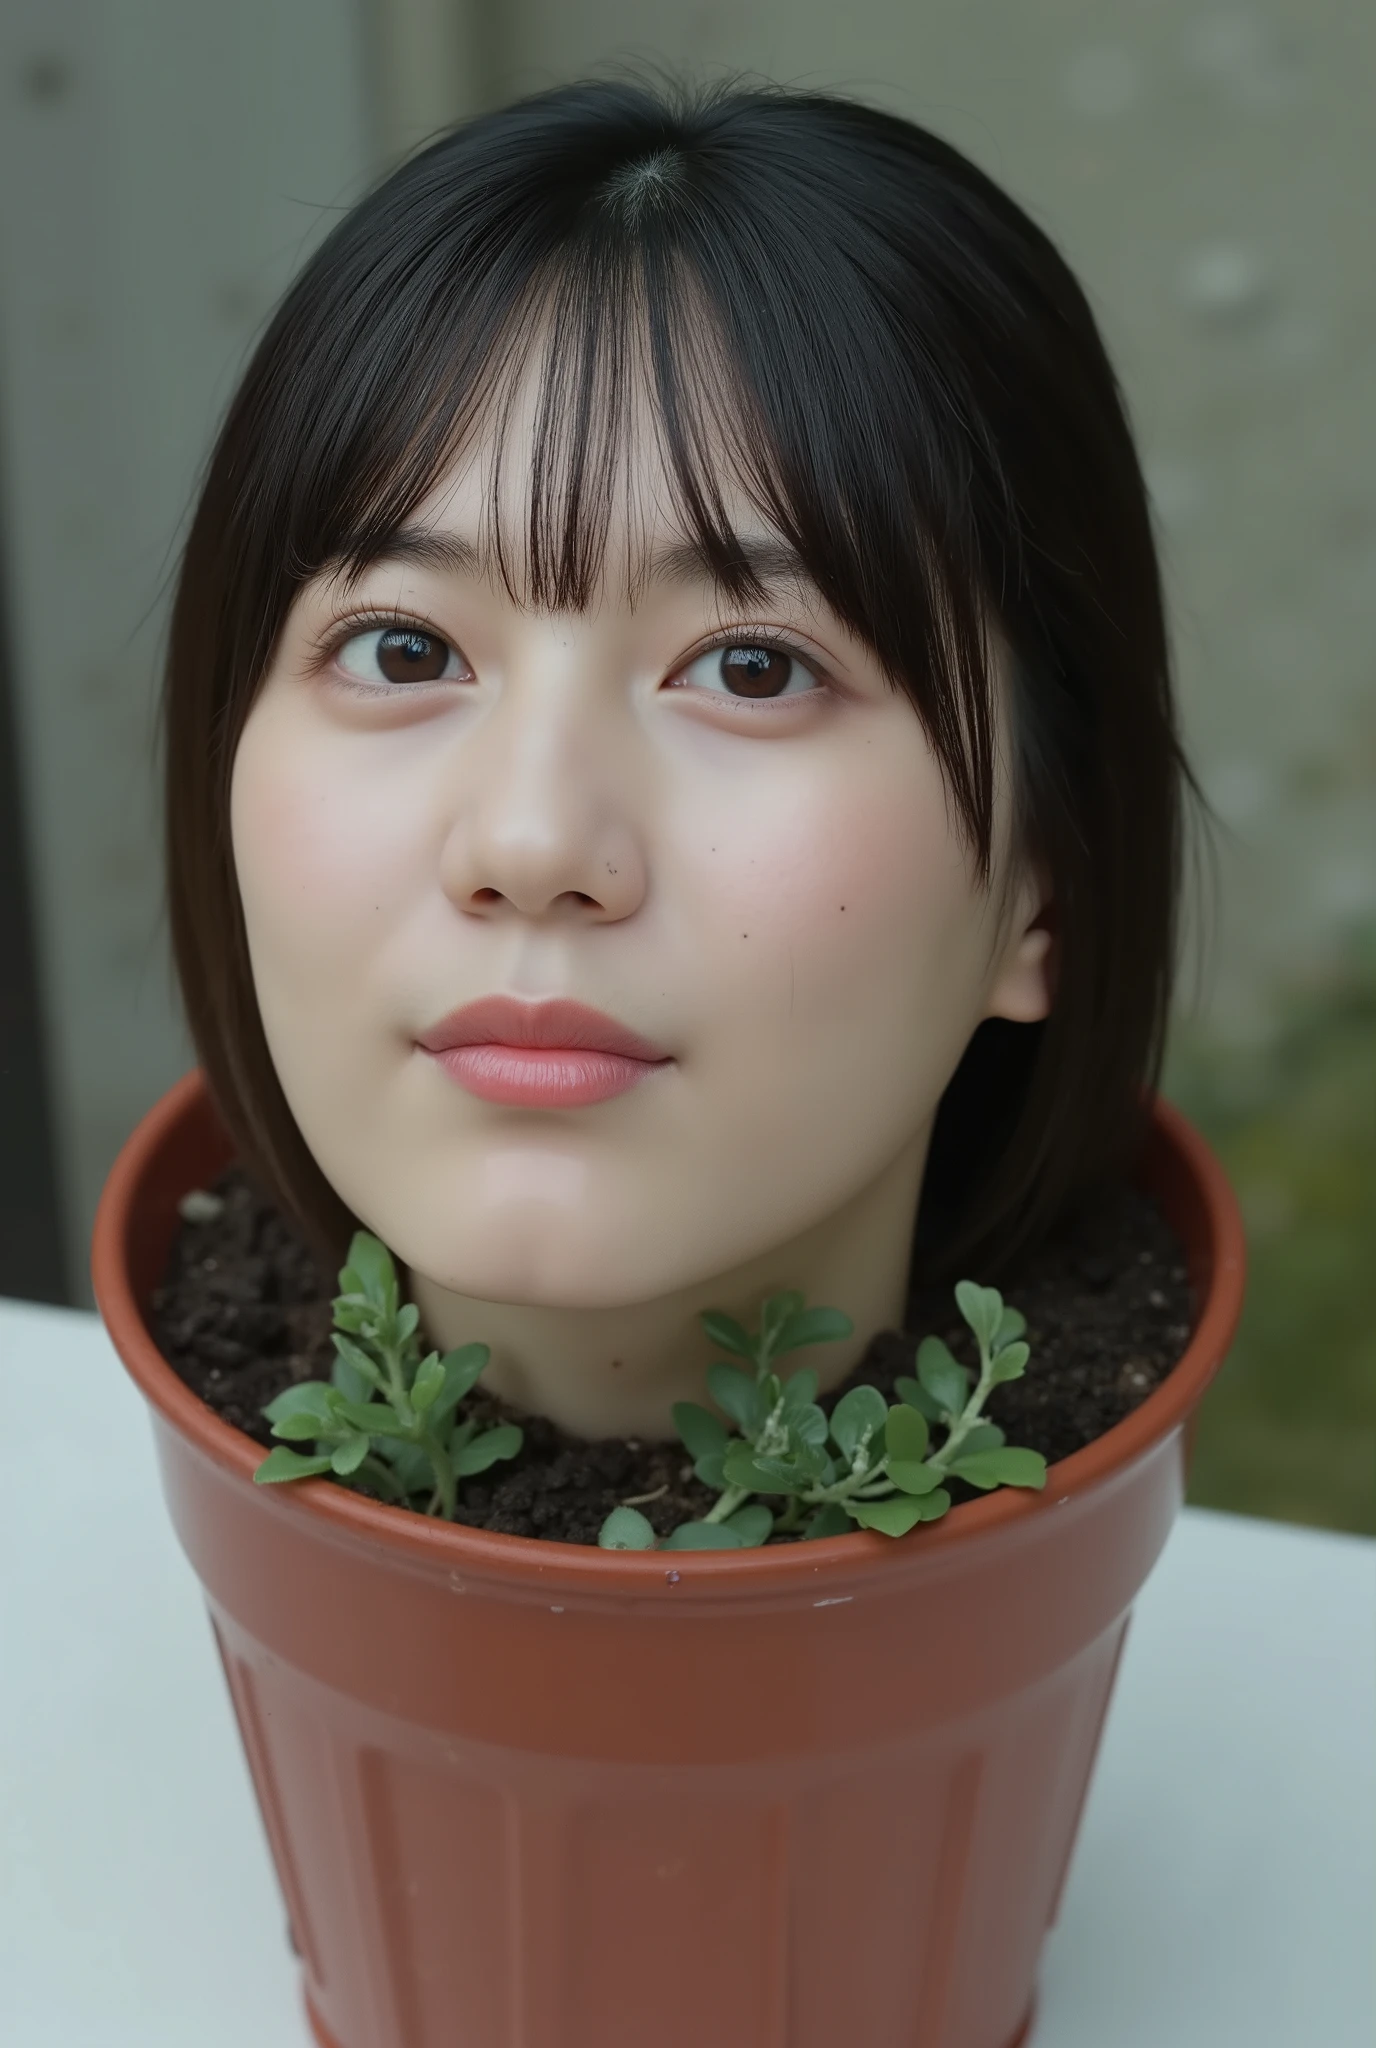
[{"x": 535, "y": 1795}]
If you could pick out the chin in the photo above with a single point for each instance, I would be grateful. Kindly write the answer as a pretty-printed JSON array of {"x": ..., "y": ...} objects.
[{"x": 555, "y": 1269}]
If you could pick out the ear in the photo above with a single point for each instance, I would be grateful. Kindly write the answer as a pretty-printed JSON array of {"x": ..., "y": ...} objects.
[{"x": 1024, "y": 984}]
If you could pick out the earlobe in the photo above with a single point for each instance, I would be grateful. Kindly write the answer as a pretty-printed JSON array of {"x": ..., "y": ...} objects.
[{"x": 1025, "y": 987}]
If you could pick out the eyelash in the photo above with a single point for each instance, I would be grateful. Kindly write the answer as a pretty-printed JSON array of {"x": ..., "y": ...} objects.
[
  {"x": 781, "y": 643},
  {"x": 338, "y": 636}
]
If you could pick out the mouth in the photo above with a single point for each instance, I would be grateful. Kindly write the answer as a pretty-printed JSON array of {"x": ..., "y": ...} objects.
[{"x": 555, "y": 1054}]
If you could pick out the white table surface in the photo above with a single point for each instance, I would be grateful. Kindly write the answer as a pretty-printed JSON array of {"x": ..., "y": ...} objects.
[{"x": 1223, "y": 1893}]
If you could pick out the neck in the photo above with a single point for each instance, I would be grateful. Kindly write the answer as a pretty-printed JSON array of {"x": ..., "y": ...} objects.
[{"x": 617, "y": 1372}]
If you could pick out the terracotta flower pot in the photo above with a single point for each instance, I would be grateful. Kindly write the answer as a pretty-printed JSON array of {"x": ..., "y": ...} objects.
[{"x": 534, "y": 1795}]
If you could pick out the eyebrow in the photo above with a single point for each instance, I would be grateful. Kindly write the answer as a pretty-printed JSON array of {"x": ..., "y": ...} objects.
[
  {"x": 767, "y": 561},
  {"x": 763, "y": 560}
]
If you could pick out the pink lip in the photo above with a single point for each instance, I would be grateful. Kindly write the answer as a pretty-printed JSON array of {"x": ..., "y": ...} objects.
[{"x": 549, "y": 1055}]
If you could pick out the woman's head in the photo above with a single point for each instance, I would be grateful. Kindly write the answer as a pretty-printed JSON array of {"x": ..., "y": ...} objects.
[{"x": 688, "y": 557}]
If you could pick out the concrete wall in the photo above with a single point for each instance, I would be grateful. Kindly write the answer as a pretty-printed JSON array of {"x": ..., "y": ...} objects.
[{"x": 163, "y": 165}]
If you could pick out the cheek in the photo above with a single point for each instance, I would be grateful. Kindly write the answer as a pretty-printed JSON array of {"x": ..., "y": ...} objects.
[
  {"x": 318, "y": 850},
  {"x": 852, "y": 880}
]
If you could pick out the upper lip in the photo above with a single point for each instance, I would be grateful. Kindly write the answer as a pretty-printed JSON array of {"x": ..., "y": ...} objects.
[{"x": 504, "y": 1020}]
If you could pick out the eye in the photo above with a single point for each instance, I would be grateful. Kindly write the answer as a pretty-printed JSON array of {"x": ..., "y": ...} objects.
[
  {"x": 400, "y": 654},
  {"x": 750, "y": 671}
]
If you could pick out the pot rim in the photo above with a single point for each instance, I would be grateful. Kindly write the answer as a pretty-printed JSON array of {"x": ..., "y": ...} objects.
[{"x": 424, "y": 1540}]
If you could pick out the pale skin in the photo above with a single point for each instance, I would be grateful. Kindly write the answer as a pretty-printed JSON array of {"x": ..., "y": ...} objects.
[{"x": 771, "y": 890}]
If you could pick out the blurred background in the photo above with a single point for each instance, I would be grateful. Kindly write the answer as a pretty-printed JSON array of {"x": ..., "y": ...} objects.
[{"x": 165, "y": 165}]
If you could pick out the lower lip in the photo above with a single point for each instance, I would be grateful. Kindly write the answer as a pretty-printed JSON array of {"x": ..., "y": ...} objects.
[{"x": 542, "y": 1076}]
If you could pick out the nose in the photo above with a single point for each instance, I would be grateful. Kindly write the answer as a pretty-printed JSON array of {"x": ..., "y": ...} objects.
[{"x": 546, "y": 818}]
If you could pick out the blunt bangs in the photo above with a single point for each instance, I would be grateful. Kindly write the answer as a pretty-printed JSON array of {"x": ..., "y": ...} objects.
[{"x": 825, "y": 311}]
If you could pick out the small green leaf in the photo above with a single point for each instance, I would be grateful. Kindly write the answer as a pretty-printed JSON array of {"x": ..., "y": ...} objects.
[
  {"x": 701, "y": 1431},
  {"x": 777, "y": 1310},
  {"x": 751, "y": 1523},
  {"x": 626, "y": 1529},
  {"x": 428, "y": 1383},
  {"x": 807, "y": 1425},
  {"x": 481, "y": 1451},
  {"x": 370, "y": 1263},
  {"x": 813, "y": 1460},
  {"x": 914, "y": 1478},
  {"x": 737, "y": 1393},
  {"x": 889, "y": 1517},
  {"x": 934, "y": 1505},
  {"x": 1002, "y": 1468},
  {"x": 304, "y": 1429},
  {"x": 374, "y": 1418},
  {"x": 831, "y": 1520},
  {"x": 314, "y": 1399},
  {"x": 914, "y": 1395},
  {"x": 947, "y": 1381},
  {"x": 1011, "y": 1325},
  {"x": 742, "y": 1467},
  {"x": 462, "y": 1370},
  {"x": 358, "y": 1360},
  {"x": 285, "y": 1464},
  {"x": 863, "y": 1408},
  {"x": 711, "y": 1469},
  {"x": 906, "y": 1434},
  {"x": 812, "y": 1326},
  {"x": 351, "y": 1384},
  {"x": 408, "y": 1322},
  {"x": 726, "y": 1332},
  {"x": 800, "y": 1390},
  {"x": 982, "y": 1308},
  {"x": 985, "y": 1436},
  {"x": 702, "y": 1536},
  {"x": 1010, "y": 1363},
  {"x": 350, "y": 1455}
]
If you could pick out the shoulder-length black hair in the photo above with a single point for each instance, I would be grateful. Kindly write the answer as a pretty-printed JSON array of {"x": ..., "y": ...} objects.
[{"x": 899, "y": 369}]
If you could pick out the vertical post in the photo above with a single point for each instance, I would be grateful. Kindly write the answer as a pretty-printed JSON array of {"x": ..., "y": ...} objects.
[{"x": 32, "y": 1257}]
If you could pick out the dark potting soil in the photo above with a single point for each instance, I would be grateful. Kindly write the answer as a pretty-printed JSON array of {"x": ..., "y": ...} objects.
[{"x": 244, "y": 1311}]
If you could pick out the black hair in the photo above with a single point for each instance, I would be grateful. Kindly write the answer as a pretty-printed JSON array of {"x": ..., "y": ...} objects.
[{"x": 836, "y": 312}]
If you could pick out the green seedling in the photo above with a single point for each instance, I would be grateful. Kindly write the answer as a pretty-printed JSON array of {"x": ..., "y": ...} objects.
[
  {"x": 868, "y": 1464},
  {"x": 386, "y": 1418}
]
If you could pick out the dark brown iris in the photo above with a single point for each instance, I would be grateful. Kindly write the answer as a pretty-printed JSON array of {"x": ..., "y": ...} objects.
[
  {"x": 406, "y": 656},
  {"x": 755, "y": 671}
]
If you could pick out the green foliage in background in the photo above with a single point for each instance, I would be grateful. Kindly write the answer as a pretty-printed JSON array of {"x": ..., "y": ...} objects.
[{"x": 1288, "y": 1429}]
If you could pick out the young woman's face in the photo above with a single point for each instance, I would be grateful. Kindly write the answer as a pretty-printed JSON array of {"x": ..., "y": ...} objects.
[{"x": 722, "y": 829}]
